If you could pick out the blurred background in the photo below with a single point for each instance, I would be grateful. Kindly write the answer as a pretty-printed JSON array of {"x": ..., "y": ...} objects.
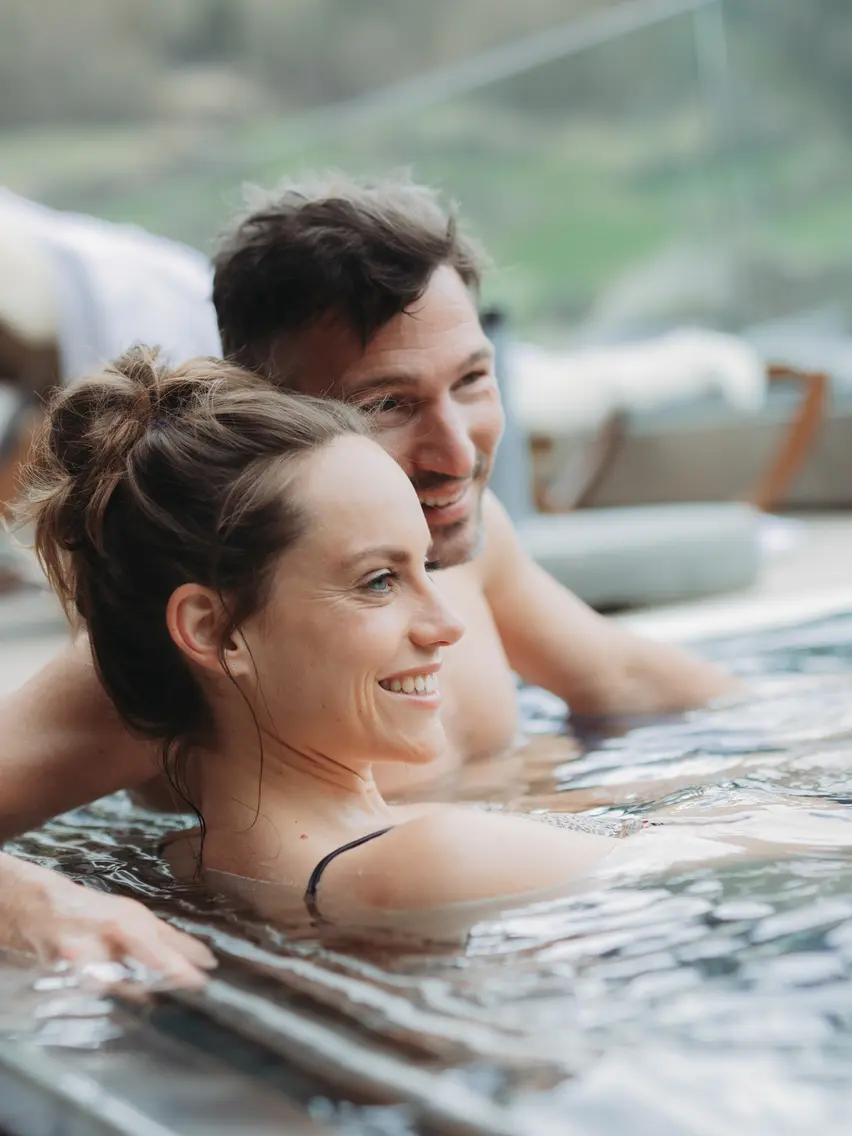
[
  {"x": 662, "y": 186},
  {"x": 629, "y": 166}
]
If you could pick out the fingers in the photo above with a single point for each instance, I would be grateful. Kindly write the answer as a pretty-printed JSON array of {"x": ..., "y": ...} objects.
[
  {"x": 158, "y": 966},
  {"x": 87, "y": 960},
  {"x": 79, "y": 950},
  {"x": 198, "y": 953},
  {"x": 131, "y": 945}
]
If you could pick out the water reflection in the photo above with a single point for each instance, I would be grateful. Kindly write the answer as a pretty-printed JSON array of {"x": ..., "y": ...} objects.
[{"x": 713, "y": 999}]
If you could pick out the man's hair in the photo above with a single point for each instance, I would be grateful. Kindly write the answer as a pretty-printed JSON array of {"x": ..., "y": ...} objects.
[{"x": 332, "y": 248}]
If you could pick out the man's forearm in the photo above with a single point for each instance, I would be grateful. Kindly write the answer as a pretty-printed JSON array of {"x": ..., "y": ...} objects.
[
  {"x": 23, "y": 903},
  {"x": 63, "y": 745},
  {"x": 47, "y": 915},
  {"x": 600, "y": 668},
  {"x": 650, "y": 677},
  {"x": 553, "y": 639},
  {"x": 630, "y": 674}
]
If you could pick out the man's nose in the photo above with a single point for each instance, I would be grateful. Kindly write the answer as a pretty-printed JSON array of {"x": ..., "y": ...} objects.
[{"x": 444, "y": 443}]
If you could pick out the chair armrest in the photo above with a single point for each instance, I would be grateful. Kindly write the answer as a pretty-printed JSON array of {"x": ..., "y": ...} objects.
[{"x": 771, "y": 488}]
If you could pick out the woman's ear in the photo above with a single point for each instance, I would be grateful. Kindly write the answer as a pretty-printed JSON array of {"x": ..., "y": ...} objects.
[{"x": 194, "y": 617}]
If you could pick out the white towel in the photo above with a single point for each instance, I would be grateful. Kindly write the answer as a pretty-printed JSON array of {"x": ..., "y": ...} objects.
[
  {"x": 566, "y": 391},
  {"x": 114, "y": 285}
]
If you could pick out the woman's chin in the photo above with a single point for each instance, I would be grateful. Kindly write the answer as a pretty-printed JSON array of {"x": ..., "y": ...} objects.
[
  {"x": 428, "y": 747},
  {"x": 424, "y": 757}
]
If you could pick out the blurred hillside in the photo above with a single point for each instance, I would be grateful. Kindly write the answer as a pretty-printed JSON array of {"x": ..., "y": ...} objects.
[
  {"x": 101, "y": 61},
  {"x": 695, "y": 169}
]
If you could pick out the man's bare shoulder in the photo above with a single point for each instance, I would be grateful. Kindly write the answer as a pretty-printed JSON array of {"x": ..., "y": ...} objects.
[
  {"x": 64, "y": 743},
  {"x": 501, "y": 551},
  {"x": 498, "y": 541}
]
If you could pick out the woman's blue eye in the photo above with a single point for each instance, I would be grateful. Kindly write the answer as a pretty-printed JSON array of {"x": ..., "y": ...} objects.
[{"x": 381, "y": 583}]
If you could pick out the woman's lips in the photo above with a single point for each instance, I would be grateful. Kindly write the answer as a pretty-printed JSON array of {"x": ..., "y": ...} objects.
[
  {"x": 415, "y": 686},
  {"x": 411, "y": 684}
]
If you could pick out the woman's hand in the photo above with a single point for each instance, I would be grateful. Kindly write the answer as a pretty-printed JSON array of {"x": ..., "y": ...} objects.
[{"x": 43, "y": 913}]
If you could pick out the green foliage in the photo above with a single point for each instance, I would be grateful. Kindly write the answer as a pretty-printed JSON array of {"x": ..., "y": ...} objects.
[
  {"x": 577, "y": 175},
  {"x": 90, "y": 61}
]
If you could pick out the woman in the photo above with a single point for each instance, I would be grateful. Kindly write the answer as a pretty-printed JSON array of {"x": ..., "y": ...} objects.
[{"x": 252, "y": 572}]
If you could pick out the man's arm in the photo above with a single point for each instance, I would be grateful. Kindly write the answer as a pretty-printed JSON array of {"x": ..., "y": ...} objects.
[
  {"x": 45, "y": 914},
  {"x": 63, "y": 744},
  {"x": 554, "y": 640}
]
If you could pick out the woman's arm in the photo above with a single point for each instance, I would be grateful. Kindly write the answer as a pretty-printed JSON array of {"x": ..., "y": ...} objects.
[{"x": 456, "y": 856}]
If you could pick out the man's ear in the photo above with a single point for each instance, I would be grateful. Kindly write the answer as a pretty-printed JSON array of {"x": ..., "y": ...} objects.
[{"x": 196, "y": 619}]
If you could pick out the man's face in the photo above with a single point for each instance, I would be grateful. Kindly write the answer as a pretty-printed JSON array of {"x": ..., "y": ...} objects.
[{"x": 428, "y": 378}]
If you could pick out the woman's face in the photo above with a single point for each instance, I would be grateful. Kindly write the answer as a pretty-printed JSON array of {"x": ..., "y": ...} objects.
[{"x": 348, "y": 649}]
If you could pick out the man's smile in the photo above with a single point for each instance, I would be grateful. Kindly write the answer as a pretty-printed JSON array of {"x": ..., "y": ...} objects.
[{"x": 447, "y": 508}]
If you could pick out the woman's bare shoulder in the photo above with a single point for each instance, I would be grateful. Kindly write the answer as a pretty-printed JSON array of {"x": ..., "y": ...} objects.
[{"x": 456, "y": 855}]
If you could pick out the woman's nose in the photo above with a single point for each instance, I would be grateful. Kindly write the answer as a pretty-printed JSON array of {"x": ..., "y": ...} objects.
[{"x": 437, "y": 625}]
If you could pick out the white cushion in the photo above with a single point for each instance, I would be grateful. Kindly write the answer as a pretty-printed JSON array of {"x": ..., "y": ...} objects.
[{"x": 649, "y": 554}]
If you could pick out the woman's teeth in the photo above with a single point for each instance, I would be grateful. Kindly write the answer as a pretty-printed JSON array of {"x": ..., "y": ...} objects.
[{"x": 411, "y": 684}]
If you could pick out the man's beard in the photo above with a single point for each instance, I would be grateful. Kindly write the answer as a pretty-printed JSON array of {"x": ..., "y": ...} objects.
[{"x": 457, "y": 544}]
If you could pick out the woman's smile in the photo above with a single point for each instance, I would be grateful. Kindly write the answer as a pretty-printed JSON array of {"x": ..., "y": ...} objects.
[{"x": 418, "y": 685}]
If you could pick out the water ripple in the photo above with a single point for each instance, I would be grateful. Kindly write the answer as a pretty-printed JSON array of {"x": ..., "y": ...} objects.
[{"x": 712, "y": 1000}]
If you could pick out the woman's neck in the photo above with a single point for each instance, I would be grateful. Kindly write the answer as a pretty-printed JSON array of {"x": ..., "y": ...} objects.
[{"x": 244, "y": 797}]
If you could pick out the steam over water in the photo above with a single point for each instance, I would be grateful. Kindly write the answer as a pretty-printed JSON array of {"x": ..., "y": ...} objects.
[{"x": 709, "y": 1000}]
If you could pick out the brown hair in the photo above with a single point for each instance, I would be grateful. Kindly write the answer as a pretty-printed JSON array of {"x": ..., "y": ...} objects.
[
  {"x": 145, "y": 478},
  {"x": 332, "y": 247}
]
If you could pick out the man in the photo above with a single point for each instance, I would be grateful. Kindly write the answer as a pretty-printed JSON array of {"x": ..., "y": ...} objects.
[{"x": 365, "y": 294}]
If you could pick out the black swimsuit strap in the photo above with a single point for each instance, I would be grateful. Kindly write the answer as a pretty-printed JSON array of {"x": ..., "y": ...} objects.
[{"x": 316, "y": 874}]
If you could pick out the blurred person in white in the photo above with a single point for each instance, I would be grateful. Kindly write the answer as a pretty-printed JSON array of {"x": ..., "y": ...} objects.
[
  {"x": 367, "y": 293},
  {"x": 75, "y": 291}
]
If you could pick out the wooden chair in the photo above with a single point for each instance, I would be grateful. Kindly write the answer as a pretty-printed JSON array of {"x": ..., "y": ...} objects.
[{"x": 575, "y": 484}]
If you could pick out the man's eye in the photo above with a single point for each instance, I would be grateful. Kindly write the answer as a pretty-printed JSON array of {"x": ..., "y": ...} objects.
[
  {"x": 473, "y": 377},
  {"x": 432, "y": 565},
  {"x": 382, "y": 406}
]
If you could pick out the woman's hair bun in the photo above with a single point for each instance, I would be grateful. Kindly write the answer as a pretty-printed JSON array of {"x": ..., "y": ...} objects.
[
  {"x": 84, "y": 450},
  {"x": 94, "y": 425}
]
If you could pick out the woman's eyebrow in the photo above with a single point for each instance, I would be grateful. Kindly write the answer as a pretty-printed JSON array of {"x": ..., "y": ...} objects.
[{"x": 381, "y": 551}]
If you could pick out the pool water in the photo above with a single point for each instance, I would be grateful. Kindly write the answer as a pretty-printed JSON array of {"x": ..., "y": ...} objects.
[{"x": 711, "y": 999}]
